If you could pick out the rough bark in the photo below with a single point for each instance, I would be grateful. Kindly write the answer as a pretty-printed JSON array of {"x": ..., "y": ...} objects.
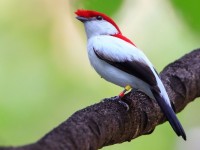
[{"x": 108, "y": 122}]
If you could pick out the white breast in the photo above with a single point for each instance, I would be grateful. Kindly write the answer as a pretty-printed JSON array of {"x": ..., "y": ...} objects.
[{"x": 113, "y": 74}]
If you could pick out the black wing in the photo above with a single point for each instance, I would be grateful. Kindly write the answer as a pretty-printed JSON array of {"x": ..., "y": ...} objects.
[{"x": 135, "y": 68}]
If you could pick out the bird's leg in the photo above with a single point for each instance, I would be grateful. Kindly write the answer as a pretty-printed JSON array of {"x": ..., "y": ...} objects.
[
  {"x": 127, "y": 88},
  {"x": 119, "y": 97}
]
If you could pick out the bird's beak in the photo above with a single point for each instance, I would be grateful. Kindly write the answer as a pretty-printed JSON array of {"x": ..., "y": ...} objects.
[{"x": 82, "y": 19}]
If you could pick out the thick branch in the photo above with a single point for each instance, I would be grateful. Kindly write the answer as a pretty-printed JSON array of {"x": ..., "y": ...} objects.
[{"x": 107, "y": 123}]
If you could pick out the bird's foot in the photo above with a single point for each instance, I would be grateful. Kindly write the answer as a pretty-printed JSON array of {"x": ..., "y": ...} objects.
[
  {"x": 119, "y": 100},
  {"x": 134, "y": 90}
]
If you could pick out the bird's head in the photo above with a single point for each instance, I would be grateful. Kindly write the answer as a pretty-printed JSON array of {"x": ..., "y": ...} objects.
[{"x": 97, "y": 23}]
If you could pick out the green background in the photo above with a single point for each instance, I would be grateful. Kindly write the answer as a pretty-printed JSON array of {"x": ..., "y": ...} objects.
[{"x": 45, "y": 75}]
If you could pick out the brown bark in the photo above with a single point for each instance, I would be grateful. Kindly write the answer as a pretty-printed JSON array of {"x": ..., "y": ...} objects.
[{"x": 107, "y": 123}]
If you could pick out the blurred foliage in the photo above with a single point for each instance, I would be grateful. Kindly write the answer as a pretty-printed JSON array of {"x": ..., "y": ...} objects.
[
  {"x": 27, "y": 75},
  {"x": 109, "y": 7},
  {"x": 190, "y": 12},
  {"x": 36, "y": 94}
]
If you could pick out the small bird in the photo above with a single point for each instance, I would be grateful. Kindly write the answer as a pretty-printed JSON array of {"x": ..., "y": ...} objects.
[{"x": 117, "y": 59}]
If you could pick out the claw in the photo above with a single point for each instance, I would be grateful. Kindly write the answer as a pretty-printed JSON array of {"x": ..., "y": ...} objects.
[
  {"x": 119, "y": 100},
  {"x": 124, "y": 104}
]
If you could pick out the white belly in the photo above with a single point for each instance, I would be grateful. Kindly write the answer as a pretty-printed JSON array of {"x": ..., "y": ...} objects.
[
  {"x": 121, "y": 49},
  {"x": 116, "y": 76}
]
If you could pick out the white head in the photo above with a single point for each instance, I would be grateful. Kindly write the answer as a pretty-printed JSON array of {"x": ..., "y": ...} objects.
[{"x": 97, "y": 23}]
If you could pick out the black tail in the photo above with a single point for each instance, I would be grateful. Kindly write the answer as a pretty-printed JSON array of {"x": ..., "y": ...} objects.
[{"x": 170, "y": 115}]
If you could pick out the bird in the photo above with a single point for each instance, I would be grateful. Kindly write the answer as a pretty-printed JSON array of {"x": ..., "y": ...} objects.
[{"x": 118, "y": 60}]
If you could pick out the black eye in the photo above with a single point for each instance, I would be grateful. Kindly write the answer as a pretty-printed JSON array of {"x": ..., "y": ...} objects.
[{"x": 99, "y": 17}]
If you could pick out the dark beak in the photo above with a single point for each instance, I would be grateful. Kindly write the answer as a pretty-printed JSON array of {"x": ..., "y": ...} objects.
[{"x": 82, "y": 19}]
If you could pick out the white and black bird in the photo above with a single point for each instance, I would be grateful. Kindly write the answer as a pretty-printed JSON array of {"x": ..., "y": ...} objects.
[{"x": 116, "y": 59}]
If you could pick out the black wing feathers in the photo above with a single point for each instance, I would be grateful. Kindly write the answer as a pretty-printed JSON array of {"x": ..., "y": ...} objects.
[{"x": 135, "y": 68}]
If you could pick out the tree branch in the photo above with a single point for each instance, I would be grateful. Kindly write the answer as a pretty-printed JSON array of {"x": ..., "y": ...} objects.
[{"x": 107, "y": 123}]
